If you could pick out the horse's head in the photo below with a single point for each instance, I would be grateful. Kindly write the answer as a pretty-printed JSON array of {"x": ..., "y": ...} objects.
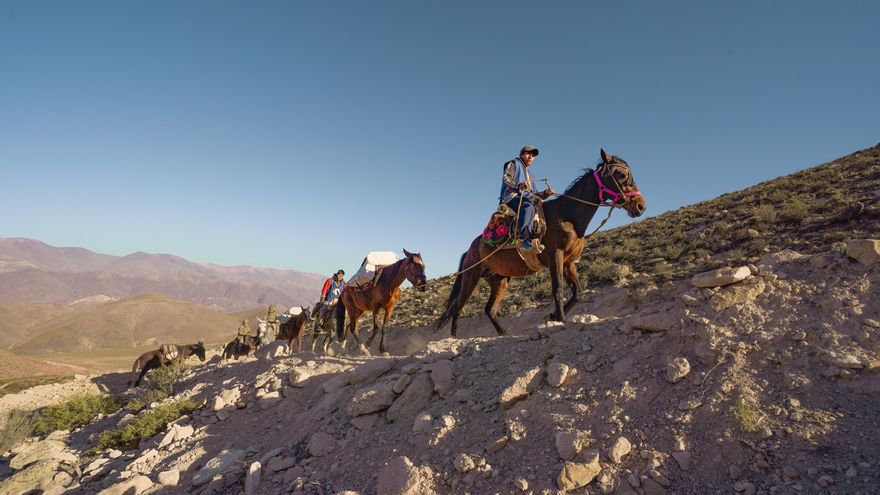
[
  {"x": 199, "y": 350},
  {"x": 307, "y": 313},
  {"x": 415, "y": 270},
  {"x": 615, "y": 179}
]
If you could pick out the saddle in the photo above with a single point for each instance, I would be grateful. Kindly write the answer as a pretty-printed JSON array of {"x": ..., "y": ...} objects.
[
  {"x": 500, "y": 234},
  {"x": 169, "y": 351}
]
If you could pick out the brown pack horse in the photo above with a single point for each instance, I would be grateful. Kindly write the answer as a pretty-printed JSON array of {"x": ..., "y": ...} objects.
[
  {"x": 153, "y": 359},
  {"x": 382, "y": 294},
  {"x": 293, "y": 329},
  {"x": 610, "y": 184}
]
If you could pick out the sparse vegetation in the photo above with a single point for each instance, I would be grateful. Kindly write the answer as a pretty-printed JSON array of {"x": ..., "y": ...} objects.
[
  {"x": 159, "y": 384},
  {"x": 145, "y": 425},
  {"x": 19, "y": 425},
  {"x": 15, "y": 385},
  {"x": 746, "y": 415},
  {"x": 77, "y": 411}
]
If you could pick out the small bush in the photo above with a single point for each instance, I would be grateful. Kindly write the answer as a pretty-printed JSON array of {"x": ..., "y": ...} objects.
[
  {"x": 162, "y": 382},
  {"x": 746, "y": 415},
  {"x": 19, "y": 425},
  {"x": 794, "y": 211},
  {"x": 765, "y": 214},
  {"x": 79, "y": 410},
  {"x": 145, "y": 425}
]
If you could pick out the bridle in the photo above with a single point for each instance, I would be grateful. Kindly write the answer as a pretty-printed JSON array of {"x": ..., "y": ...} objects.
[
  {"x": 412, "y": 276},
  {"x": 614, "y": 197}
]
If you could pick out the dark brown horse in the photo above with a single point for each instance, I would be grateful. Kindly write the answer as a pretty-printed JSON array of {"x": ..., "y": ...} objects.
[
  {"x": 244, "y": 345},
  {"x": 323, "y": 325},
  {"x": 611, "y": 184},
  {"x": 381, "y": 294},
  {"x": 293, "y": 329},
  {"x": 153, "y": 359}
]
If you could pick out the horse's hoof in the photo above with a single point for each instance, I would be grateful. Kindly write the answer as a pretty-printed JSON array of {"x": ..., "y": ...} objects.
[{"x": 364, "y": 350}]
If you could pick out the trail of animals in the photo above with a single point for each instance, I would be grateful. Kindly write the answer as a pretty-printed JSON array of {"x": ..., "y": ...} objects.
[{"x": 611, "y": 184}]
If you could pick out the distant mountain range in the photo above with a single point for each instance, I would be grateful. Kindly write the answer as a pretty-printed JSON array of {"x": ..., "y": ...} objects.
[{"x": 32, "y": 271}]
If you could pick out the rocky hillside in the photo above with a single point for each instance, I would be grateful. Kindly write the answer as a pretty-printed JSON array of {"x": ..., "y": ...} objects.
[
  {"x": 808, "y": 211},
  {"x": 758, "y": 379}
]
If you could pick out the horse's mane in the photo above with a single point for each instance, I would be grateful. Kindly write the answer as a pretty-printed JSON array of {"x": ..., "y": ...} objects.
[{"x": 587, "y": 172}]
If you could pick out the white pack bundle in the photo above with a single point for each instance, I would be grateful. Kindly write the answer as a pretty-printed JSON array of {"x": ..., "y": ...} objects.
[{"x": 373, "y": 261}]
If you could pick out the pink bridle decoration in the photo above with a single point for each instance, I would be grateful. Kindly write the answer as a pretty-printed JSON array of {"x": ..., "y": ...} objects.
[{"x": 614, "y": 196}]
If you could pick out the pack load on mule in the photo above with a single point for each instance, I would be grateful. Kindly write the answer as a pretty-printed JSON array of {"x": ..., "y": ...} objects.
[
  {"x": 164, "y": 355},
  {"x": 379, "y": 293},
  {"x": 371, "y": 266},
  {"x": 290, "y": 313}
]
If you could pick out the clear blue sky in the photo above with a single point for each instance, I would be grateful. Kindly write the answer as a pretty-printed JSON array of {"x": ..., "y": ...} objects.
[{"x": 302, "y": 134}]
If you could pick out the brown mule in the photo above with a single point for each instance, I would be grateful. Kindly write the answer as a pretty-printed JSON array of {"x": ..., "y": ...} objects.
[
  {"x": 153, "y": 359},
  {"x": 293, "y": 329},
  {"x": 567, "y": 217},
  {"x": 382, "y": 294}
]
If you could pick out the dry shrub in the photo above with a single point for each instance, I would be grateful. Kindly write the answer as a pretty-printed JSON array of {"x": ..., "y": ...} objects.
[{"x": 19, "y": 425}]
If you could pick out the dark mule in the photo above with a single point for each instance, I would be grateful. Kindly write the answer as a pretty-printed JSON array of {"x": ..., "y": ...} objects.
[
  {"x": 323, "y": 325},
  {"x": 237, "y": 348},
  {"x": 293, "y": 329},
  {"x": 611, "y": 184},
  {"x": 381, "y": 294},
  {"x": 153, "y": 359}
]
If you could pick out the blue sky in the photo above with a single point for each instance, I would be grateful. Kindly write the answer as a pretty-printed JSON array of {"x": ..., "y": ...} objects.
[{"x": 304, "y": 134}]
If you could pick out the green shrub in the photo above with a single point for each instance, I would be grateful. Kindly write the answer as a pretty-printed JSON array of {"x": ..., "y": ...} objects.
[
  {"x": 77, "y": 411},
  {"x": 794, "y": 211},
  {"x": 145, "y": 425},
  {"x": 746, "y": 415},
  {"x": 765, "y": 214},
  {"x": 160, "y": 383},
  {"x": 19, "y": 425}
]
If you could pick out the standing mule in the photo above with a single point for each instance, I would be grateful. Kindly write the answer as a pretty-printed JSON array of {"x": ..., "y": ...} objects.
[
  {"x": 380, "y": 294},
  {"x": 610, "y": 184},
  {"x": 246, "y": 345},
  {"x": 323, "y": 325},
  {"x": 153, "y": 359},
  {"x": 293, "y": 329}
]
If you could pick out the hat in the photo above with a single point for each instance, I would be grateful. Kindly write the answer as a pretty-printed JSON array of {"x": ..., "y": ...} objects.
[
  {"x": 340, "y": 272},
  {"x": 527, "y": 149}
]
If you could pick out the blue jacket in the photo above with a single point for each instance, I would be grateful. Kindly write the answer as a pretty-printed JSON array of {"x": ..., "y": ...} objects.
[{"x": 515, "y": 172}]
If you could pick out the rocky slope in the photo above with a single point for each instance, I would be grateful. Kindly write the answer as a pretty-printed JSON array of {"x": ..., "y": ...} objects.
[{"x": 754, "y": 379}]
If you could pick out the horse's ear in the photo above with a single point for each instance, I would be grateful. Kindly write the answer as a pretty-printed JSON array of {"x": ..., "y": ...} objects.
[
  {"x": 407, "y": 253},
  {"x": 606, "y": 158}
]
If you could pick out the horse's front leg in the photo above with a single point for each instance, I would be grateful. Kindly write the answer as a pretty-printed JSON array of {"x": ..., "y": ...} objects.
[
  {"x": 385, "y": 318},
  {"x": 556, "y": 267},
  {"x": 375, "y": 330},
  {"x": 571, "y": 278}
]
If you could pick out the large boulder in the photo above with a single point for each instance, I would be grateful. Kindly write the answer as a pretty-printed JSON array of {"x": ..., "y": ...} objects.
[
  {"x": 372, "y": 399},
  {"x": 414, "y": 399},
  {"x": 721, "y": 277},
  {"x": 578, "y": 474},
  {"x": 398, "y": 477},
  {"x": 370, "y": 370},
  {"x": 37, "y": 476},
  {"x": 524, "y": 384},
  {"x": 217, "y": 465},
  {"x": 37, "y": 451},
  {"x": 865, "y": 251}
]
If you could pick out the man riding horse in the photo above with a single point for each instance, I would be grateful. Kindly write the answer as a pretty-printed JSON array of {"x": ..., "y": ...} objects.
[
  {"x": 330, "y": 293},
  {"x": 518, "y": 193}
]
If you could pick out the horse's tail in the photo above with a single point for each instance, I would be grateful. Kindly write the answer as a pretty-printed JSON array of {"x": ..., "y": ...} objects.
[
  {"x": 452, "y": 303},
  {"x": 134, "y": 369},
  {"x": 340, "y": 318}
]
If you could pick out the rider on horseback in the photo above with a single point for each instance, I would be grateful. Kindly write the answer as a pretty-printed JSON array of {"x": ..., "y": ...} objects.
[
  {"x": 518, "y": 192},
  {"x": 243, "y": 331},
  {"x": 330, "y": 293}
]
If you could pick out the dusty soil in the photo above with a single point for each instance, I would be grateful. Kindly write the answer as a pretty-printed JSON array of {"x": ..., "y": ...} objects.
[{"x": 780, "y": 393}]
